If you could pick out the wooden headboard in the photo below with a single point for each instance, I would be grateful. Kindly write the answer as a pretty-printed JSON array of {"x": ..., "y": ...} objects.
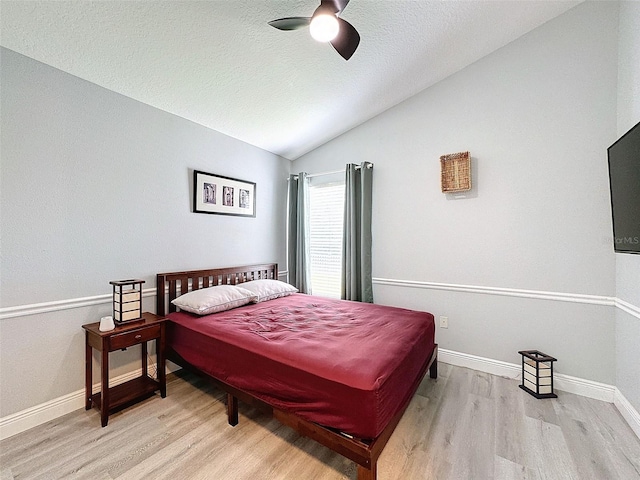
[{"x": 172, "y": 285}]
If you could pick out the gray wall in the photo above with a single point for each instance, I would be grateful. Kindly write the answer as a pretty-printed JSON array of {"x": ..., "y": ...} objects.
[
  {"x": 96, "y": 187},
  {"x": 523, "y": 260},
  {"x": 628, "y": 266}
]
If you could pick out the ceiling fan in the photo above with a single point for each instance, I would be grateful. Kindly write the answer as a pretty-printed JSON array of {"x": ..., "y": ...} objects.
[{"x": 326, "y": 26}]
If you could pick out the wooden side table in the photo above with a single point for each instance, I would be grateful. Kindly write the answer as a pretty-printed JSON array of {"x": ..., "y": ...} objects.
[{"x": 139, "y": 332}]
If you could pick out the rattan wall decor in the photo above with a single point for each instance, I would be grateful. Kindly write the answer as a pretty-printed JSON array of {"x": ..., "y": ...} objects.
[{"x": 455, "y": 172}]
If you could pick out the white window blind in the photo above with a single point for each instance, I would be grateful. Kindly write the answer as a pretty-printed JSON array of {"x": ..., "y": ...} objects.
[{"x": 325, "y": 216}]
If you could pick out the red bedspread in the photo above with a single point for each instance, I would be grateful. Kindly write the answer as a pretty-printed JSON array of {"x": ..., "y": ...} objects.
[{"x": 345, "y": 365}]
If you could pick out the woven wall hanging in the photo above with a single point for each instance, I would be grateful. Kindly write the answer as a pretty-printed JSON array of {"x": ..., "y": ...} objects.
[{"x": 455, "y": 172}]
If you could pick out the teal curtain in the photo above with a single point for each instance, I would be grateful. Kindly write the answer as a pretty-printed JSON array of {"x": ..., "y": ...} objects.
[
  {"x": 356, "y": 247},
  {"x": 298, "y": 233}
]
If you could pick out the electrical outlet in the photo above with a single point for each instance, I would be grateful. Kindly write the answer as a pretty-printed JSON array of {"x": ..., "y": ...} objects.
[{"x": 444, "y": 322}]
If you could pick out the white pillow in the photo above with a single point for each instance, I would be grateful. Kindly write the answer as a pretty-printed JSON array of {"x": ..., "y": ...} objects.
[
  {"x": 214, "y": 299},
  {"x": 267, "y": 289}
]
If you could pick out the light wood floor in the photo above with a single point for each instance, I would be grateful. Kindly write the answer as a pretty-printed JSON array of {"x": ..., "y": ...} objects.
[{"x": 465, "y": 425}]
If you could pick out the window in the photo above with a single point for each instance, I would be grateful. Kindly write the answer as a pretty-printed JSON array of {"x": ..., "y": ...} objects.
[{"x": 326, "y": 211}]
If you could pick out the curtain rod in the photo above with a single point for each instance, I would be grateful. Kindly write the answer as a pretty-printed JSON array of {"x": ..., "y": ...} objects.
[{"x": 321, "y": 174}]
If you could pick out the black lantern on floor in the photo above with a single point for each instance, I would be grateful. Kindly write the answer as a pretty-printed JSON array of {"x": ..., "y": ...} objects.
[{"x": 537, "y": 373}]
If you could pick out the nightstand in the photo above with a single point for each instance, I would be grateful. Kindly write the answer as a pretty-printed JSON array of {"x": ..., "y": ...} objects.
[{"x": 139, "y": 332}]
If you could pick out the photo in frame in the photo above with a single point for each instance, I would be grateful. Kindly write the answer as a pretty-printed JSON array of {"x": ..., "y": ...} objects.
[{"x": 223, "y": 195}]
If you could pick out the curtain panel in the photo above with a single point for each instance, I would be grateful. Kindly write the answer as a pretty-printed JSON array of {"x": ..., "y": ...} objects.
[
  {"x": 357, "y": 239},
  {"x": 298, "y": 257}
]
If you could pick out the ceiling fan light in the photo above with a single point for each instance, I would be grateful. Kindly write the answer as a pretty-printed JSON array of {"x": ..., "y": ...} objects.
[{"x": 324, "y": 27}]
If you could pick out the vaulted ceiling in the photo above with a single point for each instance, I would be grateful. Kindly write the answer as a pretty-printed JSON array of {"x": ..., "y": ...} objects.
[{"x": 219, "y": 64}]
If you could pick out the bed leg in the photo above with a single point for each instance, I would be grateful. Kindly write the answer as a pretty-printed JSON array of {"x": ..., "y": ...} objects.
[
  {"x": 232, "y": 410},
  {"x": 433, "y": 369},
  {"x": 368, "y": 473}
]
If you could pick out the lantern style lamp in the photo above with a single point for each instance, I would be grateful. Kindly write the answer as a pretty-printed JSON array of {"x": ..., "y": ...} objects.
[
  {"x": 537, "y": 373},
  {"x": 127, "y": 300}
]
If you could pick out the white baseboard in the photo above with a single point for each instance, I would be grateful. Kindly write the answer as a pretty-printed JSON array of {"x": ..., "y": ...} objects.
[
  {"x": 482, "y": 364},
  {"x": 627, "y": 411},
  {"x": 47, "y": 411},
  {"x": 39, "y": 414},
  {"x": 565, "y": 383}
]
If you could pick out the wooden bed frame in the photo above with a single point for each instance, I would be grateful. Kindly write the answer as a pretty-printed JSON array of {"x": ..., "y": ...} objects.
[{"x": 364, "y": 452}]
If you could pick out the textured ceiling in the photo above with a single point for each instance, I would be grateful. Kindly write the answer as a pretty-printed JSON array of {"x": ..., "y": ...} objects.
[{"x": 219, "y": 64}]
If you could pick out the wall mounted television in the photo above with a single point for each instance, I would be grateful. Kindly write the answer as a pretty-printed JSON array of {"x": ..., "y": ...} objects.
[{"x": 624, "y": 182}]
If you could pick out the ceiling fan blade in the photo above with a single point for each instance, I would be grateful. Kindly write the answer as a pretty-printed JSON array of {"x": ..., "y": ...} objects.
[
  {"x": 347, "y": 40},
  {"x": 336, "y": 5},
  {"x": 290, "y": 23}
]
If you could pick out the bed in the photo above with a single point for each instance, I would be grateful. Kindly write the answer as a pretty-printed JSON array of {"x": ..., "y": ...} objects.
[{"x": 339, "y": 372}]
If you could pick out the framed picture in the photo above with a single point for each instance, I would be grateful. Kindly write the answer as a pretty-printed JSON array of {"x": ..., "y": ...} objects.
[{"x": 223, "y": 195}]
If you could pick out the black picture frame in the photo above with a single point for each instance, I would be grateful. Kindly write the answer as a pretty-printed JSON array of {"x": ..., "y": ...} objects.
[{"x": 220, "y": 195}]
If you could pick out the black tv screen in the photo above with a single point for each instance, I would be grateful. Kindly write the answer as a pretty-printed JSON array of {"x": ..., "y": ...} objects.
[{"x": 624, "y": 181}]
